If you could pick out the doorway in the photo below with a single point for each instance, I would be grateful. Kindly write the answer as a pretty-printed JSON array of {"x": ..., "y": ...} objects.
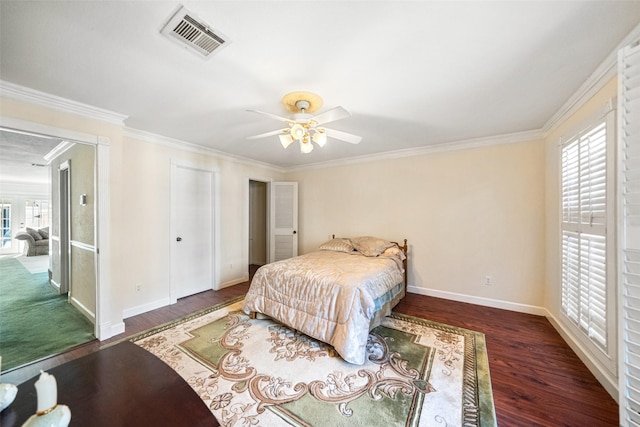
[
  {"x": 63, "y": 210},
  {"x": 258, "y": 230}
]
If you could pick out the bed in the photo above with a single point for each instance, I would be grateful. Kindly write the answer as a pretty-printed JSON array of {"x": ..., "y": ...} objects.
[{"x": 336, "y": 294}]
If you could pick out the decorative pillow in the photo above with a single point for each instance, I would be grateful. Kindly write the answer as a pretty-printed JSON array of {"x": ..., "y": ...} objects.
[
  {"x": 34, "y": 234},
  {"x": 394, "y": 251},
  {"x": 44, "y": 232},
  {"x": 370, "y": 246},
  {"x": 338, "y": 245}
]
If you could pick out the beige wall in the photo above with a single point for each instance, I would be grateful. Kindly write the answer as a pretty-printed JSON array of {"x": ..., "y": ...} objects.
[
  {"x": 50, "y": 117},
  {"x": 603, "y": 369},
  {"x": 139, "y": 180},
  {"x": 146, "y": 201},
  {"x": 81, "y": 158},
  {"x": 466, "y": 214}
]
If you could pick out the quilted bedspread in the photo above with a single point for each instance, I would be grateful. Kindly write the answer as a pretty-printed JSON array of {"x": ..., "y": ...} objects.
[{"x": 335, "y": 297}]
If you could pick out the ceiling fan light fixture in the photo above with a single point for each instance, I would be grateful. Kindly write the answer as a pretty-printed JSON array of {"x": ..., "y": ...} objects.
[
  {"x": 285, "y": 140},
  {"x": 306, "y": 146},
  {"x": 320, "y": 138},
  {"x": 298, "y": 132}
]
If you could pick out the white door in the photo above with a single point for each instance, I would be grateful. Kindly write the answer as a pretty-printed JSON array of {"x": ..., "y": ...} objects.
[
  {"x": 191, "y": 231},
  {"x": 283, "y": 215}
]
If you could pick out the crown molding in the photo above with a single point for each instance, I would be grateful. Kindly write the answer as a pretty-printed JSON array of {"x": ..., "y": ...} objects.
[
  {"x": 510, "y": 138},
  {"x": 602, "y": 75},
  {"x": 153, "y": 138},
  {"x": 22, "y": 93}
]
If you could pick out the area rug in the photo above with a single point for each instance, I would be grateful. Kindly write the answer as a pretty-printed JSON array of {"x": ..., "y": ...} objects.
[
  {"x": 259, "y": 372},
  {"x": 35, "y": 264}
]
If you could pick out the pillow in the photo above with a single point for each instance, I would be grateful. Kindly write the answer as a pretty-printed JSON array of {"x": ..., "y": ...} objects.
[
  {"x": 370, "y": 246},
  {"x": 44, "y": 232},
  {"x": 394, "y": 251},
  {"x": 34, "y": 234},
  {"x": 338, "y": 245}
]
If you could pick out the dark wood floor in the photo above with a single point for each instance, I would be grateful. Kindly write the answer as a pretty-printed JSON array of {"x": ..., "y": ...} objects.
[{"x": 537, "y": 380}]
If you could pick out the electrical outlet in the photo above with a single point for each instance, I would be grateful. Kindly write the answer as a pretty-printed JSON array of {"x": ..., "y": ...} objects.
[
  {"x": 488, "y": 281},
  {"x": 138, "y": 287}
]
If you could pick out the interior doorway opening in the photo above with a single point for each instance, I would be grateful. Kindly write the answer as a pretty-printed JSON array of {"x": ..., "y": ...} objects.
[{"x": 258, "y": 225}]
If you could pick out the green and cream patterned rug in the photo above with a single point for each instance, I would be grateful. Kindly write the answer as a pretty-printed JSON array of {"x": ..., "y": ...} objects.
[{"x": 259, "y": 372}]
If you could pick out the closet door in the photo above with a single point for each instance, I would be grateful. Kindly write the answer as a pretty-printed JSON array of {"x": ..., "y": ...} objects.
[
  {"x": 283, "y": 219},
  {"x": 192, "y": 214}
]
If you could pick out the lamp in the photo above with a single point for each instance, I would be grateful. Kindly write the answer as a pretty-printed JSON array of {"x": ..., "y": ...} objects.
[
  {"x": 306, "y": 146},
  {"x": 298, "y": 131},
  {"x": 320, "y": 137},
  {"x": 285, "y": 140}
]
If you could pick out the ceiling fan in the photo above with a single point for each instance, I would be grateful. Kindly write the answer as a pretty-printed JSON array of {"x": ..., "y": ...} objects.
[{"x": 305, "y": 127}]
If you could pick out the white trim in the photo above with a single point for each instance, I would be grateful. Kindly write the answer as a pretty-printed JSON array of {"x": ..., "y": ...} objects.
[
  {"x": 83, "y": 309},
  {"x": 108, "y": 329},
  {"x": 243, "y": 279},
  {"x": 194, "y": 148},
  {"x": 486, "y": 302},
  {"x": 81, "y": 245},
  {"x": 143, "y": 308},
  {"x": 104, "y": 327},
  {"x": 58, "y": 150},
  {"x": 22, "y": 93},
  {"x": 607, "y": 359},
  {"x": 47, "y": 131},
  {"x": 511, "y": 138},
  {"x": 596, "y": 81},
  {"x": 609, "y": 382}
]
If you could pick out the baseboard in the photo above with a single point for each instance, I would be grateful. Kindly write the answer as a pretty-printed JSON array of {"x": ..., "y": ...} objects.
[
  {"x": 487, "y": 302},
  {"x": 82, "y": 309},
  {"x": 134, "y": 311},
  {"x": 610, "y": 384},
  {"x": 233, "y": 282},
  {"x": 107, "y": 330}
]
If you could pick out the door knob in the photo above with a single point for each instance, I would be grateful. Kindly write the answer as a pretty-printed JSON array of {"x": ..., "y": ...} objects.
[
  {"x": 294, "y": 231},
  {"x": 178, "y": 239}
]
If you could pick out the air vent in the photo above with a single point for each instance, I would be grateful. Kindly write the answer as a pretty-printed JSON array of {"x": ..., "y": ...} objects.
[{"x": 185, "y": 28}]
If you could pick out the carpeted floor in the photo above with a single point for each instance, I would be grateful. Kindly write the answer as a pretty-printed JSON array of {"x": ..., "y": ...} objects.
[
  {"x": 35, "y": 321},
  {"x": 259, "y": 372}
]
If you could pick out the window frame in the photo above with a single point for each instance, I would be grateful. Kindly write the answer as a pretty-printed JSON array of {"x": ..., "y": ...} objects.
[{"x": 607, "y": 357}]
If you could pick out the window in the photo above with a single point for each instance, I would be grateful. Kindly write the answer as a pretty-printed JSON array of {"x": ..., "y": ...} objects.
[
  {"x": 586, "y": 299},
  {"x": 36, "y": 213},
  {"x": 5, "y": 224}
]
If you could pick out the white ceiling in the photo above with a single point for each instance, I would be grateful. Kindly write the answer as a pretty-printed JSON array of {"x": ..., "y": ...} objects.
[
  {"x": 412, "y": 73},
  {"x": 22, "y": 157}
]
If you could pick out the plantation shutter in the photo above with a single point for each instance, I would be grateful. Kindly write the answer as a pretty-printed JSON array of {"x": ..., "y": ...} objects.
[
  {"x": 629, "y": 245},
  {"x": 584, "y": 220}
]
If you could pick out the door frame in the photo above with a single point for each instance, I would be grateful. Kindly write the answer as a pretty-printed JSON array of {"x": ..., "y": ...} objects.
[
  {"x": 108, "y": 320},
  {"x": 215, "y": 229},
  {"x": 64, "y": 191},
  {"x": 246, "y": 219}
]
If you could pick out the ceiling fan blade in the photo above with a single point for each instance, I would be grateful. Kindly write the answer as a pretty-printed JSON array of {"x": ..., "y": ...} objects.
[
  {"x": 264, "y": 135},
  {"x": 332, "y": 115},
  {"x": 343, "y": 136},
  {"x": 273, "y": 116}
]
